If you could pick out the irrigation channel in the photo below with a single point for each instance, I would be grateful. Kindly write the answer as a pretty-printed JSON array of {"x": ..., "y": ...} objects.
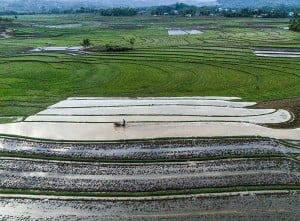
[{"x": 157, "y": 178}]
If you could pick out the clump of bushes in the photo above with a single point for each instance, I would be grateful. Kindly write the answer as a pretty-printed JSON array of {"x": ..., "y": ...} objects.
[
  {"x": 86, "y": 42},
  {"x": 109, "y": 48},
  {"x": 295, "y": 25}
]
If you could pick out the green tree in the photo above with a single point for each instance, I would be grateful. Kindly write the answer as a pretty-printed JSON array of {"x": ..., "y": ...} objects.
[{"x": 86, "y": 42}]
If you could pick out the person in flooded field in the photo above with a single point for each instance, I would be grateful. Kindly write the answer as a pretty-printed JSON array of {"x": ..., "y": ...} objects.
[{"x": 123, "y": 124}]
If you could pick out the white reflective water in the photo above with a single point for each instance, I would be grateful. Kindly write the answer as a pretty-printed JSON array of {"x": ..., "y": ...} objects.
[
  {"x": 107, "y": 131},
  {"x": 94, "y": 118},
  {"x": 58, "y": 49},
  {"x": 279, "y": 116},
  {"x": 159, "y": 110},
  {"x": 175, "y": 32},
  {"x": 279, "y": 54}
]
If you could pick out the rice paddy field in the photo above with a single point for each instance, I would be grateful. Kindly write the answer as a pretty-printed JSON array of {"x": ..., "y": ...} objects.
[
  {"x": 200, "y": 120},
  {"x": 219, "y": 62}
]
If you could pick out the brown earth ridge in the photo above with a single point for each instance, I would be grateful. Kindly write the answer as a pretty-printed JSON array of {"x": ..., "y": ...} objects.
[{"x": 291, "y": 104}]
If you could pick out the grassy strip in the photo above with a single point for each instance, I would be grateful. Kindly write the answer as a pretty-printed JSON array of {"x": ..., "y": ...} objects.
[
  {"x": 4, "y": 120},
  {"x": 162, "y": 160},
  {"x": 148, "y": 194}
]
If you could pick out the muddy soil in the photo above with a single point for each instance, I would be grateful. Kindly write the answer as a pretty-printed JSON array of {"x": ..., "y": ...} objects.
[
  {"x": 236, "y": 206},
  {"x": 291, "y": 104}
]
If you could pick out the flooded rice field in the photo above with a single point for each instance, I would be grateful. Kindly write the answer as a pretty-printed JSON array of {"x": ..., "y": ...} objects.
[
  {"x": 141, "y": 130},
  {"x": 71, "y": 25},
  {"x": 175, "y": 32},
  {"x": 278, "y": 205},
  {"x": 73, "y": 49},
  {"x": 150, "y": 150},
  {"x": 278, "y": 54},
  {"x": 279, "y": 116},
  {"x": 58, "y": 175},
  {"x": 136, "y": 146},
  {"x": 109, "y": 99},
  {"x": 147, "y": 118},
  {"x": 170, "y": 110},
  {"x": 119, "y": 102},
  {"x": 140, "y": 177},
  {"x": 64, "y": 26}
]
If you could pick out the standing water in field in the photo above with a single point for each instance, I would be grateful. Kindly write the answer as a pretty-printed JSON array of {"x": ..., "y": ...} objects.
[
  {"x": 94, "y": 119},
  {"x": 174, "y": 32},
  {"x": 72, "y": 50}
]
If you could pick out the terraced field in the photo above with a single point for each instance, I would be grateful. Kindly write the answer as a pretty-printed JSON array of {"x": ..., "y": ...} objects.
[
  {"x": 219, "y": 62},
  {"x": 151, "y": 150},
  {"x": 100, "y": 119},
  {"x": 243, "y": 205},
  {"x": 194, "y": 179},
  {"x": 64, "y": 152},
  {"x": 118, "y": 167}
]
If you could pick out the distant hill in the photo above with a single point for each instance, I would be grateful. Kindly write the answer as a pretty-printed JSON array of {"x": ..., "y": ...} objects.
[
  {"x": 46, "y": 5},
  {"x": 257, "y": 3},
  {"x": 40, "y": 5}
]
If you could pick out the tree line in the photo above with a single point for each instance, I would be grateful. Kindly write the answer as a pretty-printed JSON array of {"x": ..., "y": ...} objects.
[
  {"x": 265, "y": 12},
  {"x": 176, "y": 9},
  {"x": 109, "y": 11},
  {"x": 3, "y": 19},
  {"x": 180, "y": 9},
  {"x": 103, "y": 12}
]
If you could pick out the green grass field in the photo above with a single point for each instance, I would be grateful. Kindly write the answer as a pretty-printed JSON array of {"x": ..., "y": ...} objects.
[{"x": 219, "y": 62}]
